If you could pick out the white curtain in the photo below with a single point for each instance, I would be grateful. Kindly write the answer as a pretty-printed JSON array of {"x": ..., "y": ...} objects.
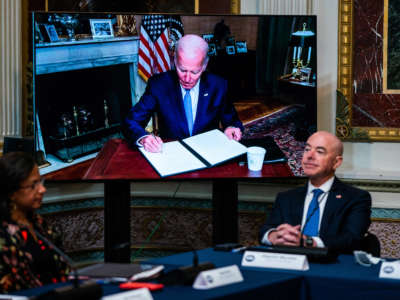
[
  {"x": 10, "y": 68},
  {"x": 279, "y": 7}
]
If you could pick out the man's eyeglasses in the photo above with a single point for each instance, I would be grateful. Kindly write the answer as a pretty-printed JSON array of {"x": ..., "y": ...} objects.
[{"x": 34, "y": 185}]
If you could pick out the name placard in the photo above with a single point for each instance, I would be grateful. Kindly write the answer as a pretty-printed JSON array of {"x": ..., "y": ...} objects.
[
  {"x": 275, "y": 260},
  {"x": 139, "y": 294},
  {"x": 218, "y": 277},
  {"x": 390, "y": 270},
  {"x": 12, "y": 297}
]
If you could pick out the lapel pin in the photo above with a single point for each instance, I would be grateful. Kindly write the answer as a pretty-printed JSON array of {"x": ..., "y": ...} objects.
[
  {"x": 206, "y": 94},
  {"x": 338, "y": 196}
]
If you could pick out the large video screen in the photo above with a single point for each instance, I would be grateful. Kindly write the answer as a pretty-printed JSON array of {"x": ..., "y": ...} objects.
[{"x": 88, "y": 76}]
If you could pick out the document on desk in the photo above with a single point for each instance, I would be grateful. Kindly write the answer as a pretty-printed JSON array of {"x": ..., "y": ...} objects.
[
  {"x": 120, "y": 271},
  {"x": 200, "y": 151}
]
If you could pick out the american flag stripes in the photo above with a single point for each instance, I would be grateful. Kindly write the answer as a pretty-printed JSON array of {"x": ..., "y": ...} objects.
[{"x": 154, "y": 45}]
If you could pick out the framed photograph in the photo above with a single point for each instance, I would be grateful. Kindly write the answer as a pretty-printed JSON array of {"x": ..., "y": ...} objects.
[
  {"x": 208, "y": 37},
  {"x": 49, "y": 33},
  {"x": 241, "y": 47},
  {"x": 230, "y": 50},
  {"x": 38, "y": 34},
  {"x": 101, "y": 28},
  {"x": 212, "y": 50},
  {"x": 305, "y": 74}
]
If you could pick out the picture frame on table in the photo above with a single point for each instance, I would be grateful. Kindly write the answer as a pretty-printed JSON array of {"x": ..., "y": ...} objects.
[
  {"x": 241, "y": 47},
  {"x": 230, "y": 50},
  {"x": 212, "y": 49},
  {"x": 49, "y": 33},
  {"x": 305, "y": 74},
  {"x": 101, "y": 28},
  {"x": 208, "y": 37}
]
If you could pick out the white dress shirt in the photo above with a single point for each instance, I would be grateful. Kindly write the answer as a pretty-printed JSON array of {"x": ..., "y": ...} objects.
[
  {"x": 326, "y": 187},
  {"x": 194, "y": 94}
]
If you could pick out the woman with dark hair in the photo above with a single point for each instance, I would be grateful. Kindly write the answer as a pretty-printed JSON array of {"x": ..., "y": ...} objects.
[{"x": 25, "y": 260}]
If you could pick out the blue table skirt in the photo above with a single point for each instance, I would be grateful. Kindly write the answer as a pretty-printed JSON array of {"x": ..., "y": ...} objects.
[{"x": 341, "y": 280}]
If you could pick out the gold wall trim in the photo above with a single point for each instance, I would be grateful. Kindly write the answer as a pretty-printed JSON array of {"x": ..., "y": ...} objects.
[
  {"x": 344, "y": 128},
  {"x": 235, "y": 7}
]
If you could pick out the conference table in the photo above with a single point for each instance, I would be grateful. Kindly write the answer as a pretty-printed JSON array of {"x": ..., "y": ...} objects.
[
  {"x": 342, "y": 279},
  {"x": 117, "y": 165}
]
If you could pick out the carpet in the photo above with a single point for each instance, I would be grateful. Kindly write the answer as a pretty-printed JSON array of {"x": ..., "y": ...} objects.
[
  {"x": 252, "y": 110},
  {"x": 283, "y": 125}
]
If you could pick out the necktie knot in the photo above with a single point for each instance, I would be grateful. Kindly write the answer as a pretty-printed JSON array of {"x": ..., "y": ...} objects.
[{"x": 317, "y": 192}]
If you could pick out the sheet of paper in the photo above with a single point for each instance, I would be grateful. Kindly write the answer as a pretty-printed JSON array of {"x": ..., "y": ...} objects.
[
  {"x": 174, "y": 159},
  {"x": 215, "y": 147}
]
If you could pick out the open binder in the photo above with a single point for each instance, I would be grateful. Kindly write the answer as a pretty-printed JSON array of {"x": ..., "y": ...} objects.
[{"x": 200, "y": 151}]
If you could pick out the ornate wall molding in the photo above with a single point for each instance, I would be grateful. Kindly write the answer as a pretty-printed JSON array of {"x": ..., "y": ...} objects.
[{"x": 10, "y": 68}]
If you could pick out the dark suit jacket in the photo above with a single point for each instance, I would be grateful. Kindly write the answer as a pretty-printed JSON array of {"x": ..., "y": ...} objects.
[
  {"x": 345, "y": 220},
  {"x": 163, "y": 95}
]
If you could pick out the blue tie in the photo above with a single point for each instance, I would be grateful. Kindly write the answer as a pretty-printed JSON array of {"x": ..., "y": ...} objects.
[
  {"x": 312, "y": 220},
  {"x": 187, "y": 103}
]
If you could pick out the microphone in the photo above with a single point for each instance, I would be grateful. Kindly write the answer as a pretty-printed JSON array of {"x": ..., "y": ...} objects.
[
  {"x": 314, "y": 254},
  {"x": 89, "y": 290},
  {"x": 187, "y": 274}
]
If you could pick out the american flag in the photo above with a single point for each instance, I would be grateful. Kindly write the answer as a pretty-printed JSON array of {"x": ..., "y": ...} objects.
[{"x": 155, "y": 44}]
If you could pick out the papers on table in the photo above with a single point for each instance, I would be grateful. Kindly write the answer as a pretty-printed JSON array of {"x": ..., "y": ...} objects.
[
  {"x": 173, "y": 159},
  {"x": 196, "y": 152},
  {"x": 121, "y": 271},
  {"x": 215, "y": 147}
]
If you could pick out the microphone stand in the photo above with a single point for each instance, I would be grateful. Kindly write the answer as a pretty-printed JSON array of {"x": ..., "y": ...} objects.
[
  {"x": 89, "y": 290},
  {"x": 187, "y": 274}
]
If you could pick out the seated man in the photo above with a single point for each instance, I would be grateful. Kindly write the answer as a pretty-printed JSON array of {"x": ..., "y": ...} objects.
[
  {"x": 188, "y": 101},
  {"x": 328, "y": 212}
]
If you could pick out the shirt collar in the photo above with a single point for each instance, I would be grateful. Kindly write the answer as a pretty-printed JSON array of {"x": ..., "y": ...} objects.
[
  {"x": 326, "y": 187},
  {"x": 194, "y": 89}
]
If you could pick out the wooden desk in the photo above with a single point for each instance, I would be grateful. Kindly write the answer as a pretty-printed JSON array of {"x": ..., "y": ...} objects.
[{"x": 117, "y": 165}]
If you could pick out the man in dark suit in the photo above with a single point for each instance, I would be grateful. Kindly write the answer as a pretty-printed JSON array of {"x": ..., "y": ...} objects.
[
  {"x": 328, "y": 212},
  {"x": 188, "y": 100}
]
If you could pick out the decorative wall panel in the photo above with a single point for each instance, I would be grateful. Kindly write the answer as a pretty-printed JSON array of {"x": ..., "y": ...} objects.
[{"x": 10, "y": 68}]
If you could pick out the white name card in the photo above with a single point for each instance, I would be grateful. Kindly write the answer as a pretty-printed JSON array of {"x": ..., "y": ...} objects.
[
  {"x": 275, "y": 260},
  {"x": 218, "y": 277},
  {"x": 390, "y": 270},
  {"x": 12, "y": 297},
  {"x": 139, "y": 294}
]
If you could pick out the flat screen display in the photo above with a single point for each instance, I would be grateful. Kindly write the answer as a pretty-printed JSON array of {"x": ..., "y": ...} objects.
[{"x": 88, "y": 75}]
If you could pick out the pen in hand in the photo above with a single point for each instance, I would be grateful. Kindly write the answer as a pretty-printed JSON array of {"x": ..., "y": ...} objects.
[
  {"x": 152, "y": 143},
  {"x": 158, "y": 144}
]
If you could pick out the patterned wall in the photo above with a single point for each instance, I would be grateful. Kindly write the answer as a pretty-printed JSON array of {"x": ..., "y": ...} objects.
[{"x": 184, "y": 224}]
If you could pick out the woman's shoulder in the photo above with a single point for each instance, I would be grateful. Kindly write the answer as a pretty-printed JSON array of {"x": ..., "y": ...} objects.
[{"x": 9, "y": 228}]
